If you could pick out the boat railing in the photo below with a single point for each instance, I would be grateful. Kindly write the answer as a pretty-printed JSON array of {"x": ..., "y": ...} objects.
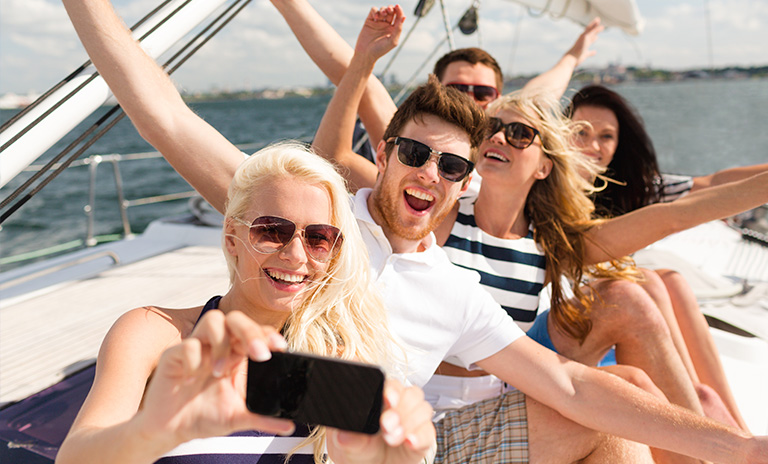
[
  {"x": 93, "y": 163},
  {"x": 123, "y": 204}
]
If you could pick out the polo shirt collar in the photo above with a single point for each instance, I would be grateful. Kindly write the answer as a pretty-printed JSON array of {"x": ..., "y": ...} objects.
[{"x": 362, "y": 214}]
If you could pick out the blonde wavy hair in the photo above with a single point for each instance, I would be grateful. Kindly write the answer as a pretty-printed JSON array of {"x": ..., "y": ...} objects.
[
  {"x": 561, "y": 211},
  {"x": 342, "y": 315}
]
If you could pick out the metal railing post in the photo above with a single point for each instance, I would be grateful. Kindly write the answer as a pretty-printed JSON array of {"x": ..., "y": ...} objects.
[
  {"x": 90, "y": 208},
  {"x": 122, "y": 204}
]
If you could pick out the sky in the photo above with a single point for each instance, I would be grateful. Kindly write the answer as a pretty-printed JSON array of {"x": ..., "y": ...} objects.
[{"x": 38, "y": 45}]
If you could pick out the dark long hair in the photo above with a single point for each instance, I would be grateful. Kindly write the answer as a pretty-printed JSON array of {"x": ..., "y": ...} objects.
[{"x": 634, "y": 164}]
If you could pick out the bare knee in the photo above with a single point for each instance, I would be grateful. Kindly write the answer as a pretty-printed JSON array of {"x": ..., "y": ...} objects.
[
  {"x": 553, "y": 438},
  {"x": 636, "y": 377},
  {"x": 670, "y": 277},
  {"x": 627, "y": 305},
  {"x": 713, "y": 405},
  {"x": 613, "y": 449}
]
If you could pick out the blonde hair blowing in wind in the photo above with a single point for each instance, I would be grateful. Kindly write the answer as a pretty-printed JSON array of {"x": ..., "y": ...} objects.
[
  {"x": 342, "y": 315},
  {"x": 560, "y": 209}
]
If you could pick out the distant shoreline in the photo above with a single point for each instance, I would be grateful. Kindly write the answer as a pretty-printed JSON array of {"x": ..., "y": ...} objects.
[
  {"x": 613, "y": 74},
  {"x": 609, "y": 75}
]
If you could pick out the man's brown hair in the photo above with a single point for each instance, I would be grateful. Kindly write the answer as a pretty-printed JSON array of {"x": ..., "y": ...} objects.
[
  {"x": 446, "y": 103},
  {"x": 472, "y": 56}
]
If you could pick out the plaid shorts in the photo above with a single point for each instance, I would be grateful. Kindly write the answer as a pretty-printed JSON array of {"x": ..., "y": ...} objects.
[{"x": 493, "y": 431}]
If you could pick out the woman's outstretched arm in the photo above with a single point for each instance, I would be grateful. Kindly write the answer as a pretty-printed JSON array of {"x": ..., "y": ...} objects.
[
  {"x": 196, "y": 150},
  {"x": 333, "y": 140},
  {"x": 727, "y": 175},
  {"x": 633, "y": 231},
  {"x": 332, "y": 54}
]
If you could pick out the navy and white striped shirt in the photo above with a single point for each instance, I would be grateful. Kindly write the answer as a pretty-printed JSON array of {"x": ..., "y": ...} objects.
[
  {"x": 512, "y": 270},
  {"x": 252, "y": 447},
  {"x": 672, "y": 186}
]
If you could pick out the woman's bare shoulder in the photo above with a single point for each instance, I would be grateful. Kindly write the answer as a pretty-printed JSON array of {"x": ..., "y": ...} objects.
[
  {"x": 154, "y": 325},
  {"x": 127, "y": 357}
]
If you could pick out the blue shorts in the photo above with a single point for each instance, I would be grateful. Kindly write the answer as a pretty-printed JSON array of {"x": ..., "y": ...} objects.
[{"x": 539, "y": 333}]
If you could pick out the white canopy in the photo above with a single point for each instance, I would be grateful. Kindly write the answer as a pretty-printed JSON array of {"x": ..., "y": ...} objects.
[{"x": 613, "y": 13}]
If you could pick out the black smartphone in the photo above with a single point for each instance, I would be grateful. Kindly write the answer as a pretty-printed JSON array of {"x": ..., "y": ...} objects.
[{"x": 316, "y": 390}]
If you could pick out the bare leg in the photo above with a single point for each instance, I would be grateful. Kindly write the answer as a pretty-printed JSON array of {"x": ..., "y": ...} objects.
[
  {"x": 553, "y": 438},
  {"x": 695, "y": 331},
  {"x": 640, "y": 379},
  {"x": 655, "y": 287},
  {"x": 626, "y": 316}
]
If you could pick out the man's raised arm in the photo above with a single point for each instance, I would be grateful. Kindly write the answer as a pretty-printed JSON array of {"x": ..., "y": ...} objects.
[{"x": 556, "y": 79}]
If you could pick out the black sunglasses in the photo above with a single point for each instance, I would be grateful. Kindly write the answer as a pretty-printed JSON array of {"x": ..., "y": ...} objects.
[
  {"x": 481, "y": 93},
  {"x": 270, "y": 234},
  {"x": 416, "y": 154},
  {"x": 518, "y": 135}
]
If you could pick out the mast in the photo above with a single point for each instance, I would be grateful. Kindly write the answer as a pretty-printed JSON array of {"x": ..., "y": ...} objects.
[{"x": 709, "y": 37}]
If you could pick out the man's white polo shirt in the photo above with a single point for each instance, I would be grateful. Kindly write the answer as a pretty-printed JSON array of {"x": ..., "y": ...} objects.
[{"x": 437, "y": 310}]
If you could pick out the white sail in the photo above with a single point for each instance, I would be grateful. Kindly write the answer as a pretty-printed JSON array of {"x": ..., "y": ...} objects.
[
  {"x": 613, "y": 13},
  {"x": 27, "y": 148}
]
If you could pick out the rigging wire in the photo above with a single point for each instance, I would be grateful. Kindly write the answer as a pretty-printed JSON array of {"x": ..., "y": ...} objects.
[
  {"x": 399, "y": 47},
  {"x": 40, "y": 118},
  {"x": 422, "y": 8},
  {"x": 72, "y": 75},
  {"x": 447, "y": 25},
  {"x": 115, "y": 112}
]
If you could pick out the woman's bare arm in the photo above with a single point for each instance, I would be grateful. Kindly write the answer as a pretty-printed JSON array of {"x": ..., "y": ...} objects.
[
  {"x": 196, "y": 150},
  {"x": 633, "y": 231},
  {"x": 332, "y": 54},
  {"x": 334, "y": 136}
]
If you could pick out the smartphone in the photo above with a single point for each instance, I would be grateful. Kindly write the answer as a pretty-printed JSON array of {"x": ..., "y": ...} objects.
[{"x": 316, "y": 390}]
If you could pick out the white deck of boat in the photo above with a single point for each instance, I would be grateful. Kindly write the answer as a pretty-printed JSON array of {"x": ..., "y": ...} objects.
[
  {"x": 50, "y": 333},
  {"x": 47, "y": 336}
]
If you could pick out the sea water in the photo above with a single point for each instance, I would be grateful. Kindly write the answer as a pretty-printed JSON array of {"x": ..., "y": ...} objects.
[{"x": 697, "y": 126}]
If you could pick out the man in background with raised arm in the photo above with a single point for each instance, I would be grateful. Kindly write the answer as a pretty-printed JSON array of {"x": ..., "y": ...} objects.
[{"x": 471, "y": 70}]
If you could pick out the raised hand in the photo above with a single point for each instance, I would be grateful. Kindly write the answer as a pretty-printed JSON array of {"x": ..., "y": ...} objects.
[
  {"x": 197, "y": 389},
  {"x": 381, "y": 31},
  {"x": 580, "y": 49},
  {"x": 407, "y": 434}
]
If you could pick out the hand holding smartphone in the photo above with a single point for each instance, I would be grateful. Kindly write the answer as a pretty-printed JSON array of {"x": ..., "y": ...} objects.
[{"x": 316, "y": 390}]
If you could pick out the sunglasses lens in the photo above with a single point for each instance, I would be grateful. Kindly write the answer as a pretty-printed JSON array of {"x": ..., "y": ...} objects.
[
  {"x": 415, "y": 154},
  {"x": 519, "y": 135},
  {"x": 453, "y": 167},
  {"x": 269, "y": 234},
  {"x": 412, "y": 153},
  {"x": 494, "y": 126},
  {"x": 322, "y": 241},
  {"x": 485, "y": 93},
  {"x": 460, "y": 87}
]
